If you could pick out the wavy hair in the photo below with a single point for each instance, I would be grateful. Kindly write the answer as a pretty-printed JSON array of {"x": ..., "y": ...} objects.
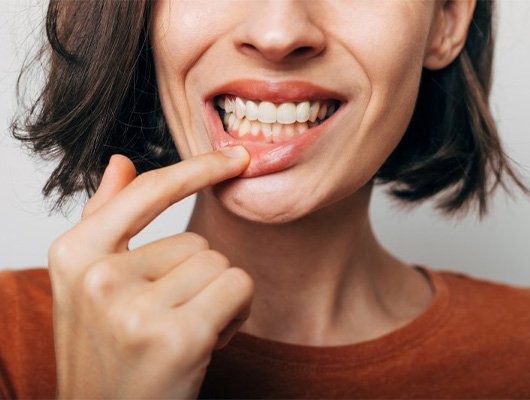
[{"x": 100, "y": 97}]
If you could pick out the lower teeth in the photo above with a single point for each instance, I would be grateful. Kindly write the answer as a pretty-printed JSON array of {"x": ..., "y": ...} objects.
[{"x": 258, "y": 131}]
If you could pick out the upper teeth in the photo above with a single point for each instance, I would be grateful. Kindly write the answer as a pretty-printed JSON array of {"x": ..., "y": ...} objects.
[{"x": 267, "y": 112}]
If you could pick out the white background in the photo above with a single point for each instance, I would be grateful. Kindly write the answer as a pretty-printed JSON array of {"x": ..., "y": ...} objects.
[{"x": 498, "y": 248}]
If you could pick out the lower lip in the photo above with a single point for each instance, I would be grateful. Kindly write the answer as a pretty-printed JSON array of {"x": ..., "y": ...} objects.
[{"x": 265, "y": 158}]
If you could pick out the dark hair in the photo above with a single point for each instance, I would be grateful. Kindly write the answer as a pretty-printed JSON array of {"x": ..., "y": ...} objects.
[
  {"x": 100, "y": 97},
  {"x": 452, "y": 145}
]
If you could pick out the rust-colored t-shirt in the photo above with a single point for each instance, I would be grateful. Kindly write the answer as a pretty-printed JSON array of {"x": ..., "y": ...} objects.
[{"x": 473, "y": 341}]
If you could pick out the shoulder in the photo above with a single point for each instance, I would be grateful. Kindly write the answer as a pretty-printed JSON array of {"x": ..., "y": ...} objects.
[
  {"x": 482, "y": 341},
  {"x": 488, "y": 296},
  {"x": 488, "y": 312}
]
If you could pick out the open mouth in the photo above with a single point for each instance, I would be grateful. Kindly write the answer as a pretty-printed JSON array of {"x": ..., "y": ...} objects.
[{"x": 268, "y": 122}]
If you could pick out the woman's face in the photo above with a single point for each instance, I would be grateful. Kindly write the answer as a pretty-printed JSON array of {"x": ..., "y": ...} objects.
[{"x": 365, "y": 54}]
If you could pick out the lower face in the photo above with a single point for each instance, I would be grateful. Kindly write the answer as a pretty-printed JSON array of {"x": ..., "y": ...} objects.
[{"x": 216, "y": 65}]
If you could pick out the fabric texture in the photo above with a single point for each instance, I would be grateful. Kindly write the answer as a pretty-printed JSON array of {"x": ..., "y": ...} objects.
[{"x": 473, "y": 341}]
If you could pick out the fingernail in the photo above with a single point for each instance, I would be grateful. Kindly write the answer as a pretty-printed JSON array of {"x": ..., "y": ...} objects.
[{"x": 235, "y": 151}]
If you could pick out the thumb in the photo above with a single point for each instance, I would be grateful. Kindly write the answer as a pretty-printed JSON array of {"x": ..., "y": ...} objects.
[{"x": 119, "y": 173}]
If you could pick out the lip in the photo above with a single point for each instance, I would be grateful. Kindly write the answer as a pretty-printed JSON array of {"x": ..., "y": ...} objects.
[
  {"x": 276, "y": 92},
  {"x": 267, "y": 158}
]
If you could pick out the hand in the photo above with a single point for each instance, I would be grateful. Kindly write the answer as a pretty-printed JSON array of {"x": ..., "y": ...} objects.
[{"x": 144, "y": 322}]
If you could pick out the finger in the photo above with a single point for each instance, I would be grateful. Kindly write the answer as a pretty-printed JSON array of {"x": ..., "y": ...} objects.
[
  {"x": 154, "y": 260},
  {"x": 186, "y": 280},
  {"x": 231, "y": 329},
  {"x": 119, "y": 173},
  {"x": 223, "y": 300},
  {"x": 149, "y": 194}
]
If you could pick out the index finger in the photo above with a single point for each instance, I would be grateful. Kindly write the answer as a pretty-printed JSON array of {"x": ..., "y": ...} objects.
[{"x": 135, "y": 206}]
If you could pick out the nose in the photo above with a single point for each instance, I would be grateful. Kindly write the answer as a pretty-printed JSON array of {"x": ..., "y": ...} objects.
[{"x": 281, "y": 31}]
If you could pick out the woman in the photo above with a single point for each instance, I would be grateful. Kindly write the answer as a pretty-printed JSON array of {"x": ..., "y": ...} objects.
[{"x": 279, "y": 287}]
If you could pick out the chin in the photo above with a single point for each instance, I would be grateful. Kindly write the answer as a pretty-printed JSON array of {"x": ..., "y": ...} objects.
[
  {"x": 261, "y": 213},
  {"x": 270, "y": 200},
  {"x": 265, "y": 200}
]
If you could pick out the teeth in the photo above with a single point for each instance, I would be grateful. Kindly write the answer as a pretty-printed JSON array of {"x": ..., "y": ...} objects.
[
  {"x": 255, "y": 127},
  {"x": 237, "y": 122},
  {"x": 313, "y": 110},
  {"x": 229, "y": 105},
  {"x": 244, "y": 128},
  {"x": 251, "y": 112},
  {"x": 226, "y": 118},
  {"x": 269, "y": 113},
  {"x": 322, "y": 111},
  {"x": 275, "y": 132},
  {"x": 273, "y": 122},
  {"x": 289, "y": 131},
  {"x": 231, "y": 119},
  {"x": 302, "y": 111},
  {"x": 301, "y": 127},
  {"x": 276, "y": 129},
  {"x": 266, "y": 129},
  {"x": 286, "y": 113},
  {"x": 241, "y": 108}
]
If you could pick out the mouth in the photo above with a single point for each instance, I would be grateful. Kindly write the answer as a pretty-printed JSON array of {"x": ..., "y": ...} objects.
[
  {"x": 268, "y": 122},
  {"x": 275, "y": 122}
]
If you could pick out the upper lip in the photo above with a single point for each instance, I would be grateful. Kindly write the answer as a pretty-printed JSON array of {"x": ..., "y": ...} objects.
[{"x": 276, "y": 92}]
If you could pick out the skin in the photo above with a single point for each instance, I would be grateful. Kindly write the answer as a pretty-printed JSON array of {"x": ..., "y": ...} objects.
[
  {"x": 352, "y": 280},
  {"x": 125, "y": 326},
  {"x": 145, "y": 322}
]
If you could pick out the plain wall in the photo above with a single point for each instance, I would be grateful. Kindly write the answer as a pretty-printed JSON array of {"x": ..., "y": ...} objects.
[{"x": 498, "y": 248}]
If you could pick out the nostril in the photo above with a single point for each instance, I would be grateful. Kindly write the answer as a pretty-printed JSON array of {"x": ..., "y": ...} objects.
[
  {"x": 278, "y": 53},
  {"x": 302, "y": 51},
  {"x": 248, "y": 48}
]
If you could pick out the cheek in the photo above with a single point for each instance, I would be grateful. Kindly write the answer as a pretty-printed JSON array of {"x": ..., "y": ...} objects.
[
  {"x": 183, "y": 30},
  {"x": 386, "y": 41}
]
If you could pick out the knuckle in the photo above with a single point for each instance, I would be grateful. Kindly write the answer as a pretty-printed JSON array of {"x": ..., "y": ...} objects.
[
  {"x": 100, "y": 280},
  {"x": 154, "y": 181},
  {"x": 88, "y": 208},
  {"x": 149, "y": 181},
  {"x": 197, "y": 331},
  {"x": 214, "y": 257},
  {"x": 66, "y": 248},
  {"x": 178, "y": 340},
  {"x": 130, "y": 329},
  {"x": 60, "y": 250},
  {"x": 196, "y": 240},
  {"x": 239, "y": 278},
  {"x": 144, "y": 178}
]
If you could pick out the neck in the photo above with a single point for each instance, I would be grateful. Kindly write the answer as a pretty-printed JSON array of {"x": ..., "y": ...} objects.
[{"x": 322, "y": 278}]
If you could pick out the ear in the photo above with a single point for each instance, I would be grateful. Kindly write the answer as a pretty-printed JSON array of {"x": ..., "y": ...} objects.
[{"x": 448, "y": 34}]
